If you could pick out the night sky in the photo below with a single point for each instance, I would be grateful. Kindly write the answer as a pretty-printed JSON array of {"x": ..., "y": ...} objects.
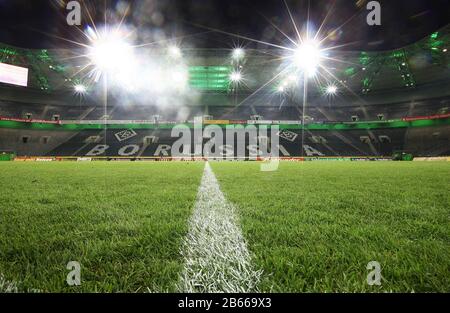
[{"x": 34, "y": 24}]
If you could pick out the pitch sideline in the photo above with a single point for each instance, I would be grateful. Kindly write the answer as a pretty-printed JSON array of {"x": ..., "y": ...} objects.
[
  {"x": 7, "y": 286},
  {"x": 215, "y": 253}
]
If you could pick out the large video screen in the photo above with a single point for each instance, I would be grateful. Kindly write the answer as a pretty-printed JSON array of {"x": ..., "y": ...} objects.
[{"x": 14, "y": 75}]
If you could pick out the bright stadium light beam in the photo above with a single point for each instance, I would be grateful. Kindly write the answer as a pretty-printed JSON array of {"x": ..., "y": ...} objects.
[
  {"x": 238, "y": 54},
  {"x": 110, "y": 52},
  {"x": 111, "y": 56},
  {"x": 236, "y": 77},
  {"x": 331, "y": 90},
  {"x": 175, "y": 52},
  {"x": 80, "y": 89},
  {"x": 308, "y": 56}
]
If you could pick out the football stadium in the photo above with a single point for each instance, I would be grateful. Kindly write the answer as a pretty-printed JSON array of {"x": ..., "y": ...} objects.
[{"x": 146, "y": 150}]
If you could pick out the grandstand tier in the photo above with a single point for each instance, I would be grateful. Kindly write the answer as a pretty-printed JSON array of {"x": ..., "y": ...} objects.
[
  {"x": 421, "y": 137},
  {"x": 319, "y": 112}
]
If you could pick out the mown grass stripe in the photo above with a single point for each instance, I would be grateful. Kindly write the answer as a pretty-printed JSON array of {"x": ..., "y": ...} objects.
[{"x": 215, "y": 251}]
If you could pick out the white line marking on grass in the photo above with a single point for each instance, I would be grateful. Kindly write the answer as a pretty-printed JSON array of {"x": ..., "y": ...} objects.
[
  {"x": 215, "y": 251},
  {"x": 7, "y": 286},
  {"x": 13, "y": 287}
]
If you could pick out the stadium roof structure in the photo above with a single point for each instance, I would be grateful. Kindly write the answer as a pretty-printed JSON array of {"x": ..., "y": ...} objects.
[{"x": 424, "y": 63}]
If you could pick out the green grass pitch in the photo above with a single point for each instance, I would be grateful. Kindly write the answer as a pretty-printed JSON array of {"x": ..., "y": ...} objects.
[
  {"x": 311, "y": 227},
  {"x": 123, "y": 222},
  {"x": 314, "y": 227}
]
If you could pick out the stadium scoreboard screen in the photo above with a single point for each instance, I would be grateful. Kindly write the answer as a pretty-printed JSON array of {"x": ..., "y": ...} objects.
[
  {"x": 13, "y": 75},
  {"x": 210, "y": 78}
]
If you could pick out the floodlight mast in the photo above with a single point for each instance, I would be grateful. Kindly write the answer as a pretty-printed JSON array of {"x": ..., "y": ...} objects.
[
  {"x": 105, "y": 104},
  {"x": 237, "y": 57},
  {"x": 307, "y": 58},
  {"x": 305, "y": 95},
  {"x": 110, "y": 54}
]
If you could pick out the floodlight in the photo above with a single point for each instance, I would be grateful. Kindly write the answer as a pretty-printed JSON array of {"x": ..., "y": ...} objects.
[
  {"x": 79, "y": 88},
  {"x": 307, "y": 57},
  {"x": 175, "y": 52},
  {"x": 331, "y": 90},
  {"x": 280, "y": 89},
  {"x": 238, "y": 54},
  {"x": 110, "y": 52},
  {"x": 236, "y": 77}
]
